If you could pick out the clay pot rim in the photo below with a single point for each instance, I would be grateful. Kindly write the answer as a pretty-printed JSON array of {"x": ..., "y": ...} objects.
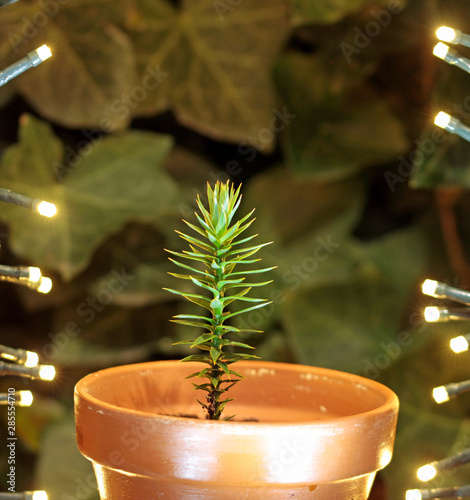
[{"x": 388, "y": 406}]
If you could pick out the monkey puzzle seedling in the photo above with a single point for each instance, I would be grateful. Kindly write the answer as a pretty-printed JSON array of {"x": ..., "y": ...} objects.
[{"x": 220, "y": 256}]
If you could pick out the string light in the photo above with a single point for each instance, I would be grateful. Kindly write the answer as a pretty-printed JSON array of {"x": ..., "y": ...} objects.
[
  {"x": 45, "y": 209},
  {"x": 433, "y": 314},
  {"x": 460, "y": 343},
  {"x": 20, "y": 356},
  {"x": 429, "y": 471},
  {"x": 443, "y": 393},
  {"x": 452, "y": 125},
  {"x": 450, "y": 35},
  {"x": 36, "y": 205},
  {"x": 18, "y": 398},
  {"x": 25, "y": 495},
  {"x": 454, "y": 492},
  {"x": 443, "y": 291},
  {"x": 448, "y": 55},
  {"x": 34, "y": 58},
  {"x": 20, "y": 273},
  {"x": 42, "y": 372}
]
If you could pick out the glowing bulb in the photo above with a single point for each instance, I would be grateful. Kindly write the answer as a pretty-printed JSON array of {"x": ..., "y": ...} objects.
[
  {"x": 32, "y": 359},
  {"x": 426, "y": 472},
  {"x": 445, "y": 34},
  {"x": 26, "y": 398},
  {"x": 45, "y": 285},
  {"x": 429, "y": 287},
  {"x": 39, "y": 495},
  {"x": 432, "y": 314},
  {"x": 442, "y": 119},
  {"x": 441, "y": 50},
  {"x": 440, "y": 394},
  {"x": 44, "y": 52},
  {"x": 47, "y": 372},
  {"x": 413, "y": 495},
  {"x": 46, "y": 209},
  {"x": 459, "y": 344},
  {"x": 34, "y": 274}
]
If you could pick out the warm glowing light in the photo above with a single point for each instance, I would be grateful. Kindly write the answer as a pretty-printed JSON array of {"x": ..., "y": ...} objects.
[
  {"x": 426, "y": 472},
  {"x": 442, "y": 119},
  {"x": 47, "y": 372},
  {"x": 440, "y": 394},
  {"x": 32, "y": 359},
  {"x": 445, "y": 34},
  {"x": 25, "y": 398},
  {"x": 413, "y": 495},
  {"x": 441, "y": 50},
  {"x": 46, "y": 209},
  {"x": 459, "y": 344},
  {"x": 432, "y": 314},
  {"x": 34, "y": 274},
  {"x": 429, "y": 287},
  {"x": 44, "y": 52},
  {"x": 45, "y": 285}
]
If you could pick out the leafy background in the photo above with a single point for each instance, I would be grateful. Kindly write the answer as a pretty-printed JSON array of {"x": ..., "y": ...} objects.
[{"x": 323, "y": 109}]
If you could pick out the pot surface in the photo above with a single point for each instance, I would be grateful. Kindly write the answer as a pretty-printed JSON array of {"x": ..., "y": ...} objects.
[{"x": 313, "y": 426}]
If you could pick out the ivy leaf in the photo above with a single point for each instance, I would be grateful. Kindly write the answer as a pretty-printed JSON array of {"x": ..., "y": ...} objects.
[
  {"x": 338, "y": 130},
  {"x": 90, "y": 80},
  {"x": 362, "y": 313},
  {"x": 441, "y": 162},
  {"x": 209, "y": 65},
  {"x": 119, "y": 179}
]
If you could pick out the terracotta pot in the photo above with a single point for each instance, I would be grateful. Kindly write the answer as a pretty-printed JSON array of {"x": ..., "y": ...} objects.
[{"x": 319, "y": 434}]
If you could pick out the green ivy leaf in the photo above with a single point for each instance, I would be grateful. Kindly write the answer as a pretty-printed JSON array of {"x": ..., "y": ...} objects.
[
  {"x": 364, "y": 312},
  {"x": 338, "y": 130},
  {"x": 119, "y": 179},
  {"x": 90, "y": 79},
  {"x": 214, "y": 64}
]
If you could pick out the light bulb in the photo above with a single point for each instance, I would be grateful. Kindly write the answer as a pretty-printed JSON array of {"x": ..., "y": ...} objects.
[
  {"x": 429, "y": 287},
  {"x": 46, "y": 209},
  {"x": 34, "y": 274},
  {"x": 32, "y": 359},
  {"x": 39, "y": 495},
  {"x": 446, "y": 34},
  {"x": 432, "y": 314},
  {"x": 441, "y": 50},
  {"x": 440, "y": 394},
  {"x": 459, "y": 344},
  {"x": 45, "y": 285},
  {"x": 442, "y": 119},
  {"x": 413, "y": 495},
  {"x": 426, "y": 472},
  {"x": 47, "y": 372},
  {"x": 44, "y": 52},
  {"x": 26, "y": 398}
]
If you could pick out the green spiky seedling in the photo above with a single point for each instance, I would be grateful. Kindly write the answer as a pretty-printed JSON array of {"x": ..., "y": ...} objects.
[{"x": 217, "y": 249}]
